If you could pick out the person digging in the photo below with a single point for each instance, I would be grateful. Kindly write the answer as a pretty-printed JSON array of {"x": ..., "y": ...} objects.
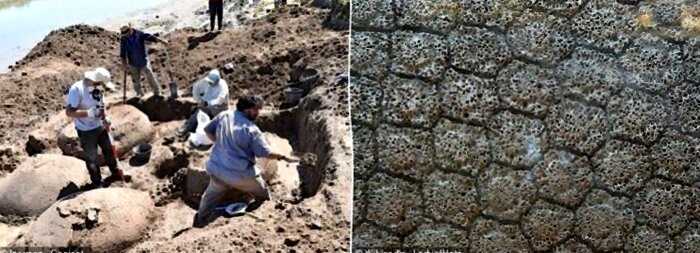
[
  {"x": 231, "y": 165},
  {"x": 84, "y": 104},
  {"x": 134, "y": 57},
  {"x": 211, "y": 95}
]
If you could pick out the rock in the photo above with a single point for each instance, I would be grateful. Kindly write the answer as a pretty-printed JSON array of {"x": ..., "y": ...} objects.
[
  {"x": 196, "y": 181},
  {"x": 166, "y": 162},
  {"x": 44, "y": 137},
  {"x": 130, "y": 127},
  {"x": 39, "y": 182},
  {"x": 105, "y": 220}
]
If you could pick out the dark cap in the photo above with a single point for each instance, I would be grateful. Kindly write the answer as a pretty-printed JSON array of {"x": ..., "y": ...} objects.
[{"x": 248, "y": 102}]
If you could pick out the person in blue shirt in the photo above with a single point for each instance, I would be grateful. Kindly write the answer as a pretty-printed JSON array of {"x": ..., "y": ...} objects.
[
  {"x": 231, "y": 165},
  {"x": 134, "y": 57}
]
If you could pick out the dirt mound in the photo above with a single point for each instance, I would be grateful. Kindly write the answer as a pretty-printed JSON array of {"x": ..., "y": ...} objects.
[
  {"x": 130, "y": 127},
  {"x": 39, "y": 182},
  {"x": 106, "y": 220},
  {"x": 255, "y": 58},
  {"x": 262, "y": 56}
]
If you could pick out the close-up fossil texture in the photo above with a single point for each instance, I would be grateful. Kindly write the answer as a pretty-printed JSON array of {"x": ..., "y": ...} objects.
[{"x": 526, "y": 126}]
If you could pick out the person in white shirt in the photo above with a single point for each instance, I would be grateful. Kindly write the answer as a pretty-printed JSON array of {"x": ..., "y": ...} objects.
[
  {"x": 84, "y": 104},
  {"x": 211, "y": 95}
]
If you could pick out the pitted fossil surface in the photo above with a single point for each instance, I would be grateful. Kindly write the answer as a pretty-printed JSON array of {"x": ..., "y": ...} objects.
[{"x": 527, "y": 126}]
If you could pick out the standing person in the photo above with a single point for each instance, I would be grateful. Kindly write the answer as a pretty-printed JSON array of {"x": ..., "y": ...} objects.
[
  {"x": 135, "y": 57},
  {"x": 237, "y": 142},
  {"x": 211, "y": 95},
  {"x": 83, "y": 105},
  {"x": 216, "y": 13}
]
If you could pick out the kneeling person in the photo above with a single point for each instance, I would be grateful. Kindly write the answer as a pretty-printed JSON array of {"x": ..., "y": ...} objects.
[
  {"x": 84, "y": 104},
  {"x": 211, "y": 95},
  {"x": 237, "y": 142}
]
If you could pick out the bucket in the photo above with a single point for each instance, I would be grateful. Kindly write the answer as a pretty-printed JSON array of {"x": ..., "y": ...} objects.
[
  {"x": 308, "y": 79},
  {"x": 293, "y": 95},
  {"x": 142, "y": 153}
]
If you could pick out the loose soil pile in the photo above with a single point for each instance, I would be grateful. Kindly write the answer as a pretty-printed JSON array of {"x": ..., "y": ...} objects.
[{"x": 260, "y": 57}]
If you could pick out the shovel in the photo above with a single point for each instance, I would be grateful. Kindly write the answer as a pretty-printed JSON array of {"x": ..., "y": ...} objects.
[
  {"x": 172, "y": 84},
  {"x": 124, "y": 88}
]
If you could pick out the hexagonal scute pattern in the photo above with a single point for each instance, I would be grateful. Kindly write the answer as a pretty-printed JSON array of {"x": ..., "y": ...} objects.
[
  {"x": 605, "y": 221},
  {"x": 653, "y": 64},
  {"x": 404, "y": 199},
  {"x": 435, "y": 236},
  {"x": 506, "y": 193},
  {"x": 439, "y": 191},
  {"x": 638, "y": 116},
  {"x": 461, "y": 148},
  {"x": 365, "y": 154},
  {"x": 419, "y": 54},
  {"x": 527, "y": 125},
  {"x": 478, "y": 50},
  {"x": 469, "y": 98},
  {"x": 666, "y": 206},
  {"x": 372, "y": 53},
  {"x": 439, "y": 15},
  {"x": 367, "y": 97},
  {"x": 623, "y": 167},
  {"x": 646, "y": 239},
  {"x": 404, "y": 151},
  {"x": 519, "y": 140},
  {"x": 677, "y": 157},
  {"x": 492, "y": 236},
  {"x": 410, "y": 102},
  {"x": 377, "y": 14},
  {"x": 563, "y": 177},
  {"x": 591, "y": 76},
  {"x": 577, "y": 127},
  {"x": 546, "y": 225},
  {"x": 541, "y": 37},
  {"x": 368, "y": 236},
  {"x": 604, "y": 24},
  {"x": 527, "y": 88}
]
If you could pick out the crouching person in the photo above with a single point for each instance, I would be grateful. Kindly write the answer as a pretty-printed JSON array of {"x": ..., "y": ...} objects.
[
  {"x": 211, "y": 95},
  {"x": 84, "y": 104},
  {"x": 231, "y": 165}
]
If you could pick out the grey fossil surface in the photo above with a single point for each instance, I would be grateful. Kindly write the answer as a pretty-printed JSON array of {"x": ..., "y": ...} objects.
[{"x": 523, "y": 126}]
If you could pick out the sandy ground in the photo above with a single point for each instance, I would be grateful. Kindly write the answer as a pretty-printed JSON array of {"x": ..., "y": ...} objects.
[
  {"x": 177, "y": 14},
  {"x": 261, "y": 53}
]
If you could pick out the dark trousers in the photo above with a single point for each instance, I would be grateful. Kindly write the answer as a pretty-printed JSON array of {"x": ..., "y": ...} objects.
[
  {"x": 89, "y": 141},
  {"x": 216, "y": 10}
]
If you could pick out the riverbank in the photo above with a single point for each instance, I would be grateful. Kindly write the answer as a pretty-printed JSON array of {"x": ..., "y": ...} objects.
[{"x": 157, "y": 16}]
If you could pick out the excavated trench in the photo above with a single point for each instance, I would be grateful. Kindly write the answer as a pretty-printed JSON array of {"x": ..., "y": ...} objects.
[{"x": 295, "y": 127}]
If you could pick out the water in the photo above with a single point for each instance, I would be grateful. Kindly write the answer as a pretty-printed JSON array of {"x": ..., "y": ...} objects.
[{"x": 23, "y": 23}]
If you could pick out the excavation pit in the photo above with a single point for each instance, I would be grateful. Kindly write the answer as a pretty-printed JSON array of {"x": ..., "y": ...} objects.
[{"x": 289, "y": 132}]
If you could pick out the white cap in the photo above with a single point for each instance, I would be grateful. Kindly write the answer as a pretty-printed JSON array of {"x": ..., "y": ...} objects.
[
  {"x": 101, "y": 75},
  {"x": 214, "y": 76}
]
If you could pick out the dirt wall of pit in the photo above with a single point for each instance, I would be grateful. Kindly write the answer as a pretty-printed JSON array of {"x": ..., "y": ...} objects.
[{"x": 522, "y": 126}]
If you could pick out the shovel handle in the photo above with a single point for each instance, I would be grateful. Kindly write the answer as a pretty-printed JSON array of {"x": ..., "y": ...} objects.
[{"x": 124, "y": 87}]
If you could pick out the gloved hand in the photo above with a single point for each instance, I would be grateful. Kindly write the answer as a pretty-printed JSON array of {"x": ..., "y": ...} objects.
[{"x": 95, "y": 112}]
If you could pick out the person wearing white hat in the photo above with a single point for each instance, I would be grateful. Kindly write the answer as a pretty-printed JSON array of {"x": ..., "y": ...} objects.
[
  {"x": 84, "y": 105},
  {"x": 211, "y": 95}
]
